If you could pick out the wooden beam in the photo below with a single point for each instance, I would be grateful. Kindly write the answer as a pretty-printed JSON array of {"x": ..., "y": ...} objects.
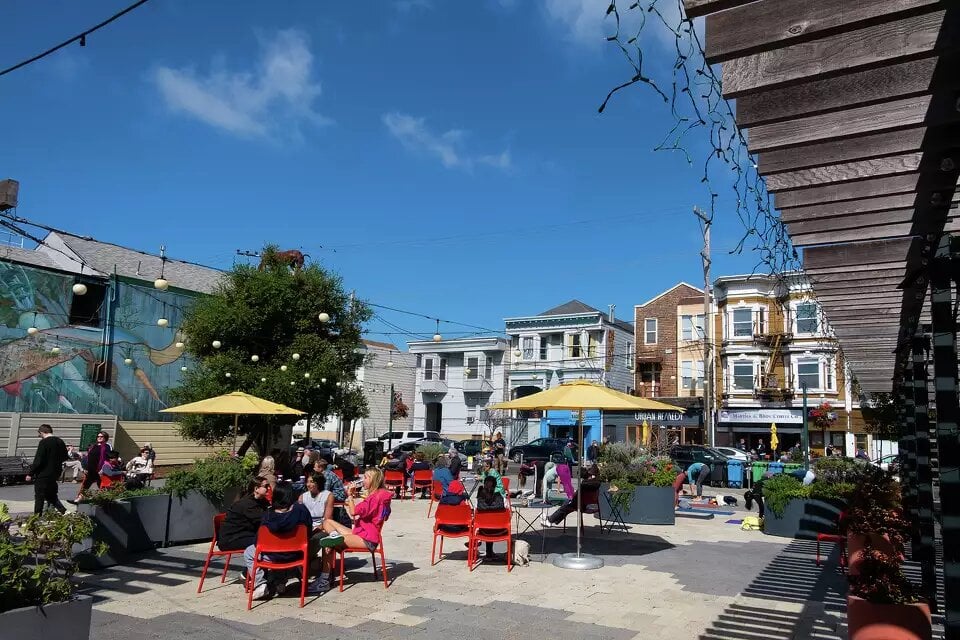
[
  {"x": 857, "y": 270},
  {"x": 835, "y": 151},
  {"x": 881, "y": 84},
  {"x": 910, "y": 37},
  {"x": 878, "y": 232},
  {"x": 845, "y": 172},
  {"x": 859, "y": 253},
  {"x": 849, "y": 207},
  {"x": 857, "y": 286},
  {"x": 842, "y": 276},
  {"x": 872, "y": 188},
  {"x": 697, "y": 8},
  {"x": 880, "y": 220}
]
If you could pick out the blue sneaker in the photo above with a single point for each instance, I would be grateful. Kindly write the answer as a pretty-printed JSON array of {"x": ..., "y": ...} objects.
[{"x": 319, "y": 585}]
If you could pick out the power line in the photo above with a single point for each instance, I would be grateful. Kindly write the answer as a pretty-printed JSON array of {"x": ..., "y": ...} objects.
[{"x": 81, "y": 37}]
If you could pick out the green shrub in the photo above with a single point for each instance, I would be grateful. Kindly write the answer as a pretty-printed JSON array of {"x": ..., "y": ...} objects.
[
  {"x": 36, "y": 562},
  {"x": 119, "y": 492},
  {"x": 831, "y": 490},
  {"x": 838, "y": 469},
  {"x": 626, "y": 467},
  {"x": 431, "y": 451},
  {"x": 213, "y": 477},
  {"x": 779, "y": 490}
]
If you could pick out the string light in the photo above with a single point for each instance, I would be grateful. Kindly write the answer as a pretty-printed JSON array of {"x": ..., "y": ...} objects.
[
  {"x": 183, "y": 369},
  {"x": 295, "y": 356},
  {"x": 306, "y": 375},
  {"x": 255, "y": 358},
  {"x": 161, "y": 284},
  {"x": 32, "y": 331},
  {"x": 55, "y": 350},
  {"x": 283, "y": 367},
  {"x": 79, "y": 289},
  {"x": 436, "y": 336},
  {"x": 263, "y": 379},
  {"x": 162, "y": 322},
  {"x": 128, "y": 361},
  {"x": 227, "y": 374},
  {"x": 216, "y": 344},
  {"x": 324, "y": 317},
  {"x": 179, "y": 345}
]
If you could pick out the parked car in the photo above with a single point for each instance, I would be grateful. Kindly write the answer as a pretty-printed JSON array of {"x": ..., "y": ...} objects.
[
  {"x": 471, "y": 447},
  {"x": 320, "y": 444},
  {"x": 889, "y": 462},
  {"x": 413, "y": 445},
  {"x": 539, "y": 449},
  {"x": 736, "y": 454},
  {"x": 686, "y": 454},
  {"x": 395, "y": 438}
]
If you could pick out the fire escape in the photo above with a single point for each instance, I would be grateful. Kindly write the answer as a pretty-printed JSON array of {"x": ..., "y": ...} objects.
[{"x": 770, "y": 385}]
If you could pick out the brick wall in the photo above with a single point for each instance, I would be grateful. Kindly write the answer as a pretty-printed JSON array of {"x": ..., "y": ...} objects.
[{"x": 664, "y": 309}]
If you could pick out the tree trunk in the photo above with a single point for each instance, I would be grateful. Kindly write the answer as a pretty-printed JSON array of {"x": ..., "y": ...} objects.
[{"x": 242, "y": 451}]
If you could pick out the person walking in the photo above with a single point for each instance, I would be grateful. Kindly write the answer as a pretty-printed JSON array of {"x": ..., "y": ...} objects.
[
  {"x": 46, "y": 469},
  {"x": 96, "y": 456},
  {"x": 593, "y": 452}
]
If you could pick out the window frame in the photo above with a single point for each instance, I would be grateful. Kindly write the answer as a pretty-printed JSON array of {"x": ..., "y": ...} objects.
[
  {"x": 487, "y": 368},
  {"x": 808, "y": 361},
  {"x": 442, "y": 369},
  {"x": 734, "y": 322},
  {"x": 472, "y": 365},
  {"x": 815, "y": 318},
  {"x": 544, "y": 350},
  {"x": 527, "y": 347},
  {"x": 647, "y": 331},
  {"x": 428, "y": 368},
  {"x": 733, "y": 374}
]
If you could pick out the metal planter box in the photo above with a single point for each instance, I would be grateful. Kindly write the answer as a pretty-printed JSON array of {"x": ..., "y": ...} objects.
[
  {"x": 803, "y": 519},
  {"x": 191, "y": 518},
  {"x": 116, "y": 525},
  {"x": 648, "y": 505},
  {"x": 152, "y": 512},
  {"x": 61, "y": 620}
]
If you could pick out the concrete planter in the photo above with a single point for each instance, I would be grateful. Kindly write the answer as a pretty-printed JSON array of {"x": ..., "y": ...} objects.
[
  {"x": 648, "y": 505},
  {"x": 61, "y": 620},
  {"x": 116, "y": 525},
  {"x": 803, "y": 519},
  {"x": 153, "y": 512},
  {"x": 191, "y": 518}
]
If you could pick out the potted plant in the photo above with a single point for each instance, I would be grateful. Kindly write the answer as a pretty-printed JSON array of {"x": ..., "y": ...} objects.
[
  {"x": 638, "y": 485},
  {"x": 795, "y": 510},
  {"x": 37, "y": 593},
  {"x": 126, "y": 521},
  {"x": 874, "y": 518},
  {"x": 883, "y": 604},
  {"x": 201, "y": 492}
]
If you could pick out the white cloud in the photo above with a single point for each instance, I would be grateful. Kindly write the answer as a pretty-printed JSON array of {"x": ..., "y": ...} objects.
[
  {"x": 447, "y": 147},
  {"x": 271, "y": 101},
  {"x": 587, "y": 24}
]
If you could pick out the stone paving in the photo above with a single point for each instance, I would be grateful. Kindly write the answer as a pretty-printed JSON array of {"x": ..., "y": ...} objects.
[{"x": 697, "y": 579}]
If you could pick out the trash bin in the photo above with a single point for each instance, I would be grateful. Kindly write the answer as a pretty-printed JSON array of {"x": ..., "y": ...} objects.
[
  {"x": 372, "y": 453},
  {"x": 735, "y": 474},
  {"x": 758, "y": 469},
  {"x": 790, "y": 467},
  {"x": 775, "y": 468},
  {"x": 718, "y": 474}
]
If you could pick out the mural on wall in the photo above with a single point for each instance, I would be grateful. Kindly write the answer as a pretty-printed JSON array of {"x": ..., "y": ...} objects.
[{"x": 55, "y": 369}]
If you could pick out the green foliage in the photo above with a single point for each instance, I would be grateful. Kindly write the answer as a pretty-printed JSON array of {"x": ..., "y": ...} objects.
[
  {"x": 875, "y": 507},
  {"x": 36, "y": 563},
  {"x": 625, "y": 467},
  {"x": 273, "y": 313},
  {"x": 880, "y": 415},
  {"x": 838, "y": 469},
  {"x": 119, "y": 492},
  {"x": 881, "y": 580},
  {"x": 213, "y": 477},
  {"x": 820, "y": 490},
  {"x": 779, "y": 490},
  {"x": 431, "y": 451}
]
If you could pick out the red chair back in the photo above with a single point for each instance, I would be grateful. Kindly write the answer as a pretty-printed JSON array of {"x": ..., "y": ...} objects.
[
  {"x": 460, "y": 515},
  {"x": 437, "y": 489},
  {"x": 286, "y": 542},
  {"x": 506, "y": 484},
  {"x": 338, "y": 473},
  {"x": 393, "y": 477},
  {"x": 422, "y": 478},
  {"x": 105, "y": 481},
  {"x": 217, "y": 521},
  {"x": 492, "y": 519}
]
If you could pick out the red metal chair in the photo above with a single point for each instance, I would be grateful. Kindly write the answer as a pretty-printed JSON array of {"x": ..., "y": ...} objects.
[
  {"x": 422, "y": 479},
  {"x": 296, "y": 541},
  {"x": 338, "y": 473},
  {"x": 106, "y": 481},
  {"x": 342, "y": 551},
  {"x": 393, "y": 480},
  {"x": 217, "y": 521},
  {"x": 491, "y": 526},
  {"x": 839, "y": 538},
  {"x": 435, "y": 494},
  {"x": 506, "y": 490},
  {"x": 451, "y": 515}
]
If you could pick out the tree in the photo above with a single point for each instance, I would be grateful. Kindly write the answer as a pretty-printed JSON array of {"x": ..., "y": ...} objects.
[
  {"x": 880, "y": 416},
  {"x": 273, "y": 344}
]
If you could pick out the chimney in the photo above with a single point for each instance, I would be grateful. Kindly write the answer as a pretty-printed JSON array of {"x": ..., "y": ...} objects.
[{"x": 612, "y": 317}]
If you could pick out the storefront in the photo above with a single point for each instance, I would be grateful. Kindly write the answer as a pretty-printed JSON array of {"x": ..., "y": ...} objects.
[
  {"x": 674, "y": 427},
  {"x": 752, "y": 426}
]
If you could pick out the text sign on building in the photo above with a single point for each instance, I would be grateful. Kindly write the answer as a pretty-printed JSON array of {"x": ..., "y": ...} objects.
[
  {"x": 762, "y": 416},
  {"x": 88, "y": 434},
  {"x": 658, "y": 416}
]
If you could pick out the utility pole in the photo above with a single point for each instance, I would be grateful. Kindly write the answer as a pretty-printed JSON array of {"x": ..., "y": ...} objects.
[
  {"x": 390, "y": 422},
  {"x": 709, "y": 425}
]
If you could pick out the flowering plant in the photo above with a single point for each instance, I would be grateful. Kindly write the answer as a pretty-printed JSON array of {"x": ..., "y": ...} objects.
[
  {"x": 881, "y": 580},
  {"x": 823, "y": 416}
]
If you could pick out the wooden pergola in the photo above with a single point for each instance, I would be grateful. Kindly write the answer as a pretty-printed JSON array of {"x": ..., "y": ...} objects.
[{"x": 852, "y": 109}]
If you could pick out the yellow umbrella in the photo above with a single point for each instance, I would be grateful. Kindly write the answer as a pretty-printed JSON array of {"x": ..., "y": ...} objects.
[
  {"x": 579, "y": 395},
  {"x": 774, "y": 440},
  {"x": 235, "y": 403}
]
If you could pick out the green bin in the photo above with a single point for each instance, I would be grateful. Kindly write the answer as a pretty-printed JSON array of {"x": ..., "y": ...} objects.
[{"x": 758, "y": 469}]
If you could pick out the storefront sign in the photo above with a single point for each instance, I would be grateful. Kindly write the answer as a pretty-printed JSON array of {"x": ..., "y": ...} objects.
[
  {"x": 658, "y": 416},
  {"x": 762, "y": 416}
]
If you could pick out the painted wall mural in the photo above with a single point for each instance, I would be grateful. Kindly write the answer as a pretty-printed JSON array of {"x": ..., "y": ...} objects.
[{"x": 56, "y": 369}]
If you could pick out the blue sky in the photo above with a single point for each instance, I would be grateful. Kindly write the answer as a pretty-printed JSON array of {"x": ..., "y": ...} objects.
[{"x": 443, "y": 157}]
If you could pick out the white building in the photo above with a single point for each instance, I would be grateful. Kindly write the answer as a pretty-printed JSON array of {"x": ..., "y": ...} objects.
[{"x": 456, "y": 380}]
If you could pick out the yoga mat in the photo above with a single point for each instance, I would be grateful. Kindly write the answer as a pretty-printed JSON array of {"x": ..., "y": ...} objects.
[
  {"x": 696, "y": 515},
  {"x": 734, "y": 522},
  {"x": 711, "y": 511}
]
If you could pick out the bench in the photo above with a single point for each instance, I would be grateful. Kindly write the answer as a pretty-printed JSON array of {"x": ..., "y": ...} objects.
[{"x": 13, "y": 469}]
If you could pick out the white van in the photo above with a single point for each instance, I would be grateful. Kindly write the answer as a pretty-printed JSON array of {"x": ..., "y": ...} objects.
[{"x": 396, "y": 438}]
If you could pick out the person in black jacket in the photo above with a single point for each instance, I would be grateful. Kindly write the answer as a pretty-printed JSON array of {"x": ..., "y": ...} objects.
[
  {"x": 239, "y": 528},
  {"x": 285, "y": 515},
  {"x": 46, "y": 468}
]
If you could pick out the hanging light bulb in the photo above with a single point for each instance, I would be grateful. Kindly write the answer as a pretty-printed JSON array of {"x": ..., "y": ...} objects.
[
  {"x": 128, "y": 361},
  {"x": 55, "y": 350},
  {"x": 324, "y": 317},
  {"x": 339, "y": 383},
  {"x": 255, "y": 358},
  {"x": 323, "y": 380},
  {"x": 216, "y": 344},
  {"x": 162, "y": 322},
  {"x": 183, "y": 369},
  {"x": 389, "y": 363},
  {"x": 161, "y": 284},
  {"x": 283, "y": 367},
  {"x": 33, "y": 331},
  {"x": 295, "y": 356},
  {"x": 179, "y": 345},
  {"x": 228, "y": 374},
  {"x": 293, "y": 383},
  {"x": 306, "y": 375},
  {"x": 436, "y": 336},
  {"x": 79, "y": 289},
  {"x": 263, "y": 379}
]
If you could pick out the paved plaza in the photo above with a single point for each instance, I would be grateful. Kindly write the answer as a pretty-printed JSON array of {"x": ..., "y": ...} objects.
[{"x": 698, "y": 579}]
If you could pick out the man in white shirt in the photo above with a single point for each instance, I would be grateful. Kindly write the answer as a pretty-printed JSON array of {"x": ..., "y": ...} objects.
[
  {"x": 73, "y": 465},
  {"x": 141, "y": 467}
]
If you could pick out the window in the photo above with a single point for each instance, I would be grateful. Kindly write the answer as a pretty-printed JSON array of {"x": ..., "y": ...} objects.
[
  {"x": 85, "y": 309},
  {"x": 488, "y": 368},
  {"x": 544, "y": 347},
  {"x": 473, "y": 368},
  {"x": 576, "y": 349},
  {"x": 828, "y": 369},
  {"x": 742, "y": 323},
  {"x": 691, "y": 373},
  {"x": 443, "y": 369},
  {"x": 527, "y": 347},
  {"x": 650, "y": 331},
  {"x": 807, "y": 318},
  {"x": 629, "y": 355},
  {"x": 808, "y": 373},
  {"x": 691, "y": 327},
  {"x": 428, "y": 369},
  {"x": 743, "y": 376},
  {"x": 592, "y": 343}
]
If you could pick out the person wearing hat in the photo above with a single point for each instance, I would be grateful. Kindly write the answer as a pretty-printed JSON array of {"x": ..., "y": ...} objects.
[
  {"x": 298, "y": 459},
  {"x": 153, "y": 454}
]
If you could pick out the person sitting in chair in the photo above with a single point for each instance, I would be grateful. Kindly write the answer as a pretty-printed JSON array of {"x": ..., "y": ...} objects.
[
  {"x": 113, "y": 468},
  {"x": 285, "y": 516},
  {"x": 589, "y": 485},
  {"x": 243, "y": 517},
  {"x": 489, "y": 498}
]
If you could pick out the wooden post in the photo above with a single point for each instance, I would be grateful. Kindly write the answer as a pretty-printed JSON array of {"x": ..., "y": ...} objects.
[{"x": 924, "y": 550}]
